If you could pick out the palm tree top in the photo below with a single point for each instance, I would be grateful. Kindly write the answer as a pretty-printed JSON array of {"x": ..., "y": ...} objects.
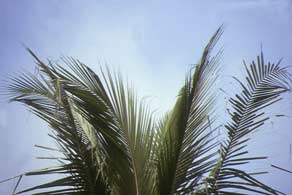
[{"x": 112, "y": 144}]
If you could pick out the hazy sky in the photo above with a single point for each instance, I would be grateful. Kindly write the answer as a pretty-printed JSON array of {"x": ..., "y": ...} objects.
[{"x": 154, "y": 44}]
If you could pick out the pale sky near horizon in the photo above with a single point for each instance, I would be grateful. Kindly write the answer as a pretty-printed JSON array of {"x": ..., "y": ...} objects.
[{"x": 153, "y": 43}]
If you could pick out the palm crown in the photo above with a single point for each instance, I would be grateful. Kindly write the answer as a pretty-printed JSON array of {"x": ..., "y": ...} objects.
[{"x": 111, "y": 144}]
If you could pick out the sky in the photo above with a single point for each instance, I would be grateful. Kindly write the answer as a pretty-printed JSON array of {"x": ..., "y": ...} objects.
[{"x": 153, "y": 43}]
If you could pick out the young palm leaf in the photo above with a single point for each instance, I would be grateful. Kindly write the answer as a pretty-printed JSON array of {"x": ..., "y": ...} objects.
[{"x": 185, "y": 142}]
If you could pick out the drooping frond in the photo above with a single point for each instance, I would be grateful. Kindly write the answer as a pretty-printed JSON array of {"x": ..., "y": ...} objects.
[
  {"x": 265, "y": 84},
  {"x": 101, "y": 129},
  {"x": 185, "y": 144},
  {"x": 47, "y": 98}
]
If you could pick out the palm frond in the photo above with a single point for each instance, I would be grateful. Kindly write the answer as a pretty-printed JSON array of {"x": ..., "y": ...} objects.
[
  {"x": 56, "y": 110},
  {"x": 185, "y": 147},
  {"x": 110, "y": 143},
  {"x": 105, "y": 134},
  {"x": 265, "y": 84},
  {"x": 130, "y": 124}
]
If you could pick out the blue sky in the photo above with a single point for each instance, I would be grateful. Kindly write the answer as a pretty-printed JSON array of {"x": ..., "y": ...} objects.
[{"x": 154, "y": 43}]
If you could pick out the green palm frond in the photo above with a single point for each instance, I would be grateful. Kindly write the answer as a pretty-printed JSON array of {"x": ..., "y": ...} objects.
[
  {"x": 186, "y": 143},
  {"x": 55, "y": 108},
  {"x": 124, "y": 124},
  {"x": 111, "y": 144},
  {"x": 105, "y": 127},
  {"x": 265, "y": 84}
]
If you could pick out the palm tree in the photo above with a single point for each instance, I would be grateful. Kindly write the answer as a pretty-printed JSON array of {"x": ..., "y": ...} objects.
[{"x": 111, "y": 143}]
